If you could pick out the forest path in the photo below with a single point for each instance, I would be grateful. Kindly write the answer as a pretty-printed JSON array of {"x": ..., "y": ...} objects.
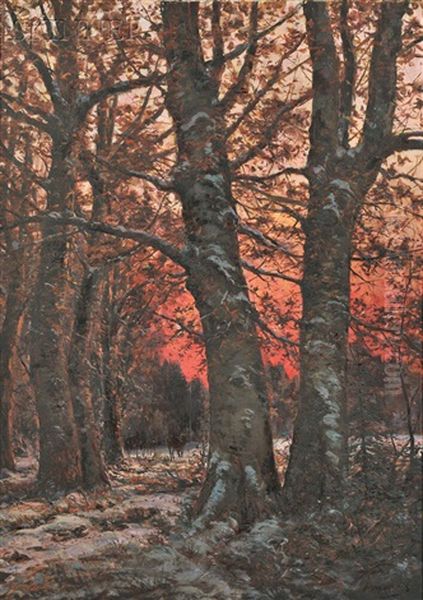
[
  {"x": 132, "y": 541},
  {"x": 84, "y": 535}
]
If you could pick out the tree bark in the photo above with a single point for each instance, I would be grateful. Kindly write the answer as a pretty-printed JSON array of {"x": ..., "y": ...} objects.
[
  {"x": 241, "y": 477},
  {"x": 88, "y": 312},
  {"x": 59, "y": 464},
  {"x": 9, "y": 336},
  {"x": 339, "y": 179},
  {"x": 318, "y": 459}
]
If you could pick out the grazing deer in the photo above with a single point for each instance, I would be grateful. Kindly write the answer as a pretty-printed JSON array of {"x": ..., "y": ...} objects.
[{"x": 175, "y": 443}]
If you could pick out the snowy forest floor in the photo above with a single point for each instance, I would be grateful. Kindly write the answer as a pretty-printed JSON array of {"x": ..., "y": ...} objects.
[{"x": 133, "y": 541}]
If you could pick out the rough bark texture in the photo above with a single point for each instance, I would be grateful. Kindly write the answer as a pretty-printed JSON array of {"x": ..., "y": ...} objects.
[
  {"x": 85, "y": 330},
  {"x": 339, "y": 179},
  {"x": 319, "y": 450},
  {"x": 241, "y": 477},
  {"x": 59, "y": 466}
]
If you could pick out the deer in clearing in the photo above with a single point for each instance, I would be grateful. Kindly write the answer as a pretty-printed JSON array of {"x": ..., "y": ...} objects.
[{"x": 176, "y": 443}]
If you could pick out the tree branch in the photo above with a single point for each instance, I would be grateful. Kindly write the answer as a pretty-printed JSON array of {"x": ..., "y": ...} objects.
[
  {"x": 44, "y": 72},
  {"x": 275, "y": 274},
  {"x": 260, "y": 178},
  {"x": 382, "y": 86},
  {"x": 238, "y": 50},
  {"x": 247, "y": 66},
  {"x": 250, "y": 106},
  {"x": 86, "y": 102},
  {"x": 264, "y": 239},
  {"x": 161, "y": 184},
  {"x": 148, "y": 239},
  {"x": 21, "y": 116},
  {"x": 408, "y": 140},
  {"x": 270, "y": 131}
]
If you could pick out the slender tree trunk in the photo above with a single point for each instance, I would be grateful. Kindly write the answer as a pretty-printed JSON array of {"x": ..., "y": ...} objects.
[
  {"x": 112, "y": 414},
  {"x": 59, "y": 465},
  {"x": 84, "y": 333},
  {"x": 242, "y": 477}
]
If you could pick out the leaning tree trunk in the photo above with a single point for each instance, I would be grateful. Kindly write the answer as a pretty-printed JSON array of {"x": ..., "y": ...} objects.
[
  {"x": 318, "y": 459},
  {"x": 242, "y": 477},
  {"x": 59, "y": 463},
  {"x": 84, "y": 333}
]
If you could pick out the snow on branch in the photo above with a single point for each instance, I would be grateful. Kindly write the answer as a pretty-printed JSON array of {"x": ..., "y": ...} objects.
[
  {"x": 138, "y": 235},
  {"x": 264, "y": 239}
]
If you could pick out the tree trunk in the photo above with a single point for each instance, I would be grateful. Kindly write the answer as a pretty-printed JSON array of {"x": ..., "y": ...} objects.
[
  {"x": 112, "y": 414},
  {"x": 9, "y": 335},
  {"x": 84, "y": 333},
  {"x": 242, "y": 477},
  {"x": 318, "y": 457},
  {"x": 59, "y": 465},
  {"x": 339, "y": 179}
]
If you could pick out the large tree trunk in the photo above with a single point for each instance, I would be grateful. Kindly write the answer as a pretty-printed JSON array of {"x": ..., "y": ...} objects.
[
  {"x": 59, "y": 465},
  {"x": 318, "y": 460},
  {"x": 242, "y": 477},
  {"x": 339, "y": 178},
  {"x": 85, "y": 331}
]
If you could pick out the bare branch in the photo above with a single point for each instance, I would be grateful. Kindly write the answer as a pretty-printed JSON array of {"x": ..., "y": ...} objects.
[
  {"x": 47, "y": 22},
  {"x": 161, "y": 184},
  {"x": 265, "y": 273},
  {"x": 238, "y": 50},
  {"x": 270, "y": 131},
  {"x": 45, "y": 74},
  {"x": 408, "y": 140},
  {"x": 280, "y": 338},
  {"x": 264, "y": 239},
  {"x": 181, "y": 325},
  {"x": 21, "y": 116},
  {"x": 260, "y": 178},
  {"x": 247, "y": 66},
  {"x": 85, "y": 103},
  {"x": 250, "y": 106}
]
